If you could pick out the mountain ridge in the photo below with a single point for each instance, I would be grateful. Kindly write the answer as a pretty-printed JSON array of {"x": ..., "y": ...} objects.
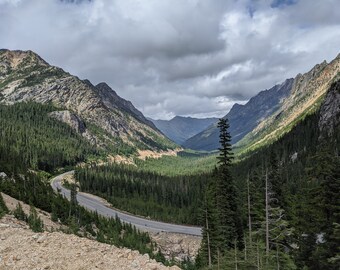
[
  {"x": 300, "y": 96},
  {"x": 110, "y": 119},
  {"x": 180, "y": 128},
  {"x": 243, "y": 118}
]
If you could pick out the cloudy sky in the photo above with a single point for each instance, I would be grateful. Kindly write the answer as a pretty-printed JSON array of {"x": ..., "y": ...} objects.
[{"x": 177, "y": 57}]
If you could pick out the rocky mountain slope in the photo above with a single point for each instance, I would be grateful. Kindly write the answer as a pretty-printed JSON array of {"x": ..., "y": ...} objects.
[
  {"x": 273, "y": 112},
  {"x": 179, "y": 128},
  {"x": 104, "y": 117},
  {"x": 20, "y": 248},
  {"x": 329, "y": 119},
  {"x": 243, "y": 118}
]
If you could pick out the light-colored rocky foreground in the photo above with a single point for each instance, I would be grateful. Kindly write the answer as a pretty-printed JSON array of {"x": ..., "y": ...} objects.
[{"x": 20, "y": 248}]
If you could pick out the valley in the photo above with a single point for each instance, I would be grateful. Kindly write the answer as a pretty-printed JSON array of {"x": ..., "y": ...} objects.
[
  {"x": 103, "y": 208},
  {"x": 257, "y": 196}
]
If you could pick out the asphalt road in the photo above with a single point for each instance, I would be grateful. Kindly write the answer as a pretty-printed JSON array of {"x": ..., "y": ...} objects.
[{"x": 94, "y": 203}]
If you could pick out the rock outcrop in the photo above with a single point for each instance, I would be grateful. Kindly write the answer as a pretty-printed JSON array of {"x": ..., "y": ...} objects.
[
  {"x": 330, "y": 111},
  {"x": 273, "y": 112},
  {"x": 178, "y": 247},
  {"x": 24, "y": 76}
]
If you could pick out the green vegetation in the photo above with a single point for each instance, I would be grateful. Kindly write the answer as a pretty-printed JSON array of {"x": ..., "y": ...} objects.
[
  {"x": 39, "y": 75},
  {"x": 173, "y": 199},
  {"x": 19, "y": 213},
  {"x": 34, "y": 221},
  {"x": 287, "y": 195},
  {"x": 153, "y": 140},
  {"x": 111, "y": 144},
  {"x": 220, "y": 216},
  {"x": 38, "y": 192},
  {"x": 185, "y": 163},
  {"x": 244, "y": 147},
  {"x": 32, "y": 139},
  {"x": 3, "y": 207}
]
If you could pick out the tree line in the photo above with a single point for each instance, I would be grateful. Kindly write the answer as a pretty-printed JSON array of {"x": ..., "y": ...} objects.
[
  {"x": 32, "y": 143},
  {"x": 276, "y": 209},
  {"x": 30, "y": 138},
  {"x": 167, "y": 198}
]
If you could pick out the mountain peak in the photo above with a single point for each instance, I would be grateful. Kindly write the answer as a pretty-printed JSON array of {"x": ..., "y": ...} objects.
[
  {"x": 16, "y": 58},
  {"x": 113, "y": 101},
  {"x": 25, "y": 76},
  {"x": 103, "y": 86}
]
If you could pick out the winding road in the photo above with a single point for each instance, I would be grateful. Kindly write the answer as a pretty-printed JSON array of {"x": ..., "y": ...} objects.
[{"x": 94, "y": 203}]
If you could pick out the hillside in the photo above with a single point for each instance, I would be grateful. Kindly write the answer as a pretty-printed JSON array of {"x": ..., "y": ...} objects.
[
  {"x": 180, "y": 128},
  {"x": 273, "y": 112},
  {"x": 106, "y": 120},
  {"x": 23, "y": 249},
  {"x": 243, "y": 118}
]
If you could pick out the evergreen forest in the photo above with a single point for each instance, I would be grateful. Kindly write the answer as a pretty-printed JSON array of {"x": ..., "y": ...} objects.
[
  {"x": 33, "y": 147},
  {"x": 149, "y": 194},
  {"x": 274, "y": 208},
  {"x": 287, "y": 210}
]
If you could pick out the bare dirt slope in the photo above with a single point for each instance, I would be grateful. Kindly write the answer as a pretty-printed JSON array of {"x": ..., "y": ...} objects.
[{"x": 20, "y": 248}]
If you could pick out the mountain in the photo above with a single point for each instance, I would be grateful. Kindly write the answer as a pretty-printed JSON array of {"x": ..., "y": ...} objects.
[
  {"x": 106, "y": 119},
  {"x": 179, "y": 128},
  {"x": 243, "y": 118},
  {"x": 273, "y": 112}
]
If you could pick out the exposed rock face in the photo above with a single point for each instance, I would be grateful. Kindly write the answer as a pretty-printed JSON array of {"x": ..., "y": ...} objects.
[
  {"x": 330, "y": 111},
  {"x": 71, "y": 119},
  {"x": 77, "y": 124},
  {"x": 112, "y": 100},
  {"x": 261, "y": 121},
  {"x": 177, "y": 246},
  {"x": 20, "y": 248},
  {"x": 243, "y": 118},
  {"x": 306, "y": 97},
  {"x": 24, "y": 76}
]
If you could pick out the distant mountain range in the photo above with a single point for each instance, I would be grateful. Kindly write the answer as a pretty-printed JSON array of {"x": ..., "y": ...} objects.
[
  {"x": 180, "y": 128},
  {"x": 107, "y": 120},
  {"x": 273, "y": 112},
  {"x": 96, "y": 112}
]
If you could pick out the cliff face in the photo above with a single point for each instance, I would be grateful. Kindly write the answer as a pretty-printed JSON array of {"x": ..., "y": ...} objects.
[
  {"x": 306, "y": 96},
  {"x": 330, "y": 111},
  {"x": 273, "y": 112},
  {"x": 24, "y": 76}
]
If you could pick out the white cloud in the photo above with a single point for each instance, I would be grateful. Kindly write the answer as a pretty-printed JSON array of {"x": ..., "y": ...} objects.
[{"x": 175, "y": 57}]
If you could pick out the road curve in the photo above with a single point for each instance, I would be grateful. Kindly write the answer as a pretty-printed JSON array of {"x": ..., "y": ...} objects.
[{"x": 94, "y": 203}]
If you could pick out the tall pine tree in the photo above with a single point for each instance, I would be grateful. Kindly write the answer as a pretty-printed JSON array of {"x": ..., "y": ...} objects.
[
  {"x": 226, "y": 197},
  {"x": 220, "y": 219}
]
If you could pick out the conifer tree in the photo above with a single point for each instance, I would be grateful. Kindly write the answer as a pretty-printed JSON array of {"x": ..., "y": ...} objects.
[
  {"x": 3, "y": 207},
  {"x": 208, "y": 250},
  {"x": 226, "y": 197},
  {"x": 19, "y": 213},
  {"x": 34, "y": 221}
]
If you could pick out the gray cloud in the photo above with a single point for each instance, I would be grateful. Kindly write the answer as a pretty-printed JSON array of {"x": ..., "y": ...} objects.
[{"x": 175, "y": 57}]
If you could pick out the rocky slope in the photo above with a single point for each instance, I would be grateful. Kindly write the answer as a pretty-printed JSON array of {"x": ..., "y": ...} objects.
[
  {"x": 179, "y": 128},
  {"x": 306, "y": 96},
  {"x": 103, "y": 117},
  {"x": 274, "y": 112},
  {"x": 243, "y": 118},
  {"x": 329, "y": 119},
  {"x": 20, "y": 248}
]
